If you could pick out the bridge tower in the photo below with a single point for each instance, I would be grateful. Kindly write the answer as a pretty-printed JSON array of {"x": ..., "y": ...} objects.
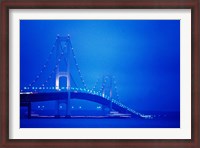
[
  {"x": 63, "y": 49},
  {"x": 107, "y": 88}
]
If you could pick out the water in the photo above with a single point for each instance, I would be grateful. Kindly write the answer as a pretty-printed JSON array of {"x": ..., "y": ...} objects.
[
  {"x": 162, "y": 120},
  {"x": 97, "y": 123}
]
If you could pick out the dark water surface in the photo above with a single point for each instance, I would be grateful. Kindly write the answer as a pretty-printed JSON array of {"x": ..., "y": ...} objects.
[
  {"x": 98, "y": 123},
  {"x": 97, "y": 120}
]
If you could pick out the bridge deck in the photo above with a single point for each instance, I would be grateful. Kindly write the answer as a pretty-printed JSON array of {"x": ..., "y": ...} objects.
[{"x": 26, "y": 99}]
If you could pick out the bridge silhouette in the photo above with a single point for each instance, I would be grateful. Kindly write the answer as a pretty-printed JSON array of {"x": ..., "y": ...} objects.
[{"x": 107, "y": 95}]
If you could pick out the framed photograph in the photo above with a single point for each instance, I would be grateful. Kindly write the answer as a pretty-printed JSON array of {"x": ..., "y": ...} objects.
[{"x": 100, "y": 73}]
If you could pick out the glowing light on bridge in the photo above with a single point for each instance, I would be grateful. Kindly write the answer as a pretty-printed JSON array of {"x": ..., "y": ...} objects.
[{"x": 98, "y": 107}]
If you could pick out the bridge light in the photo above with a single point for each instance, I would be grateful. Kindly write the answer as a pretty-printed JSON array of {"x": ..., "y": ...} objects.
[
  {"x": 72, "y": 106},
  {"x": 24, "y": 87},
  {"x": 80, "y": 107},
  {"x": 98, "y": 107}
]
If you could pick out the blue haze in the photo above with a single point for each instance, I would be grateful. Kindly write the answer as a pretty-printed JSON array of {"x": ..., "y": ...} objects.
[{"x": 143, "y": 55}]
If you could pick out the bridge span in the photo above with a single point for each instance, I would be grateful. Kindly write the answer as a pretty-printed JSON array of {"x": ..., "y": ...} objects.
[{"x": 27, "y": 98}]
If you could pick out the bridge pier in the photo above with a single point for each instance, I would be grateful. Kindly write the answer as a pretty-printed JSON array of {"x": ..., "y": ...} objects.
[
  {"x": 68, "y": 113},
  {"x": 29, "y": 110},
  {"x": 67, "y": 103},
  {"x": 57, "y": 106}
]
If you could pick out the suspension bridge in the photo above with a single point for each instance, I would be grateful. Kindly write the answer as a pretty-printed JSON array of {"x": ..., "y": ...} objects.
[{"x": 48, "y": 88}]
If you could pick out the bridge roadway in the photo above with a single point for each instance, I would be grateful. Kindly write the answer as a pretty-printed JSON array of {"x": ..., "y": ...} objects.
[{"x": 27, "y": 98}]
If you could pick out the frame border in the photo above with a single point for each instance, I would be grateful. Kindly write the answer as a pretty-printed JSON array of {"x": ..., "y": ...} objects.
[{"x": 194, "y": 5}]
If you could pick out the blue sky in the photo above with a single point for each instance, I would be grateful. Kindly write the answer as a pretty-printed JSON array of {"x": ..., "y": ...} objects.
[{"x": 143, "y": 55}]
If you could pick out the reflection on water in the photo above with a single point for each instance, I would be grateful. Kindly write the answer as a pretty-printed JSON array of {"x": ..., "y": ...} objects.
[{"x": 96, "y": 119}]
